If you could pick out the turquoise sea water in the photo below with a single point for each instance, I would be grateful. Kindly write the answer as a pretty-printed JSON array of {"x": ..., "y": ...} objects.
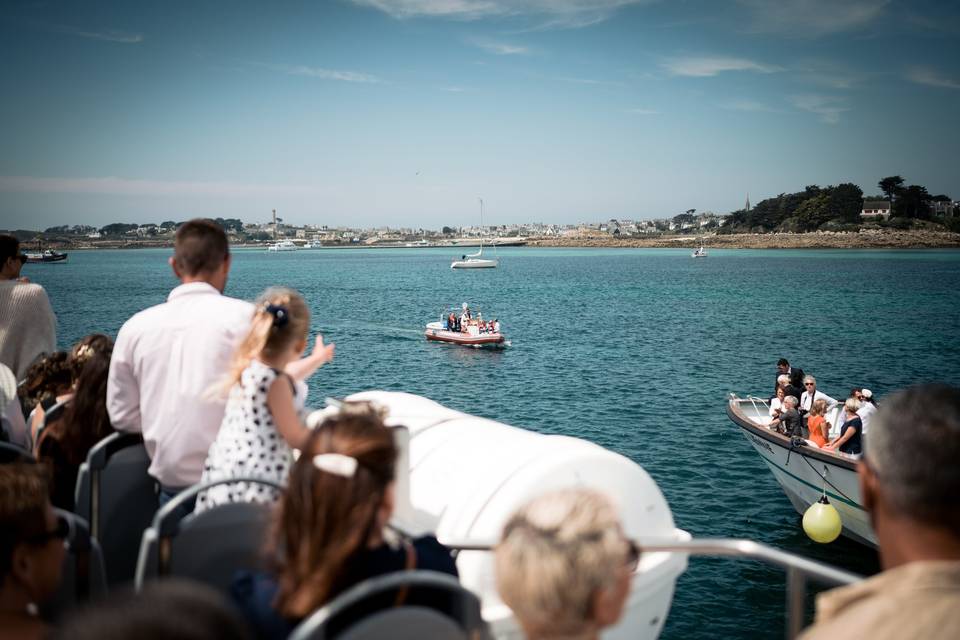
[{"x": 633, "y": 349}]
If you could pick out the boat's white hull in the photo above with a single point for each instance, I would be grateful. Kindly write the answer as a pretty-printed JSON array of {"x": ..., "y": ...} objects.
[
  {"x": 473, "y": 263},
  {"x": 805, "y": 472}
]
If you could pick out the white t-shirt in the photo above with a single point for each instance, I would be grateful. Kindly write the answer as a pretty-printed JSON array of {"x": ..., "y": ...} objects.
[
  {"x": 165, "y": 362},
  {"x": 866, "y": 411}
]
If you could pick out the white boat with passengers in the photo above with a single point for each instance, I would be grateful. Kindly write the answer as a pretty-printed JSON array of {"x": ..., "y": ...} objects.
[{"x": 804, "y": 471}]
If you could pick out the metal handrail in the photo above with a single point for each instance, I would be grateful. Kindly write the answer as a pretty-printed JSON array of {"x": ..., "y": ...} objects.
[{"x": 798, "y": 569}]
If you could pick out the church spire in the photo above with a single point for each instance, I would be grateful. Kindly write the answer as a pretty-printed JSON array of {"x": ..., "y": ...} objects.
[{"x": 747, "y": 208}]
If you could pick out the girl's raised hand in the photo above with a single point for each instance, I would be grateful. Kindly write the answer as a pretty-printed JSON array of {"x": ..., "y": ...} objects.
[{"x": 322, "y": 353}]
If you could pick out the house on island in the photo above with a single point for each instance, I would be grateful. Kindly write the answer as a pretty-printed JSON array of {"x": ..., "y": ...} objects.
[{"x": 875, "y": 210}]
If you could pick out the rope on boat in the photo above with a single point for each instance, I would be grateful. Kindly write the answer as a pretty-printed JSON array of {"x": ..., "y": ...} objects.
[{"x": 823, "y": 476}]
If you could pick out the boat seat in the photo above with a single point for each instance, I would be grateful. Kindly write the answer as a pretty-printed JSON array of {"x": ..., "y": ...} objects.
[
  {"x": 462, "y": 621},
  {"x": 11, "y": 453},
  {"x": 117, "y": 496},
  {"x": 84, "y": 577},
  {"x": 210, "y": 546}
]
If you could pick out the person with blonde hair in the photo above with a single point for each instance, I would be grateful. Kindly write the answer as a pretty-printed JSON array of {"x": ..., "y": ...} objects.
[
  {"x": 563, "y": 565},
  {"x": 817, "y": 424},
  {"x": 850, "y": 440},
  {"x": 261, "y": 424}
]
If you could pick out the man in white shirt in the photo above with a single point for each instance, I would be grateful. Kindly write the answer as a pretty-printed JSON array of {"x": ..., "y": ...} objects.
[
  {"x": 167, "y": 359},
  {"x": 867, "y": 409},
  {"x": 28, "y": 327},
  {"x": 811, "y": 395}
]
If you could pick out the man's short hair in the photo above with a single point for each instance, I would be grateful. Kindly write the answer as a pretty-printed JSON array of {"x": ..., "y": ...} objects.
[
  {"x": 200, "y": 246},
  {"x": 783, "y": 380},
  {"x": 790, "y": 400},
  {"x": 782, "y": 362},
  {"x": 23, "y": 508},
  {"x": 807, "y": 379},
  {"x": 913, "y": 447},
  {"x": 555, "y": 553},
  {"x": 9, "y": 247}
]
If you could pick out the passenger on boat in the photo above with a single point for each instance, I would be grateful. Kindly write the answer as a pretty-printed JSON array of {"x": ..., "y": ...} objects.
[
  {"x": 789, "y": 423},
  {"x": 331, "y": 529},
  {"x": 13, "y": 428},
  {"x": 794, "y": 375},
  {"x": 911, "y": 488},
  {"x": 167, "y": 609},
  {"x": 262, "y": 424},
  {"x": 851, "y": 433},
  {"x": 811, "y": 394},
  {"x": 788, "y": 388},
  {"x": 31, "y": 550},
  {"x": 817, "y": 424},
  {"x": 496, "y": 326},
  {"x": 168, "y": 357},
  {"x": 776, "y": 404},
  {"x": 563, "y": 565},
  {"x": 28, "y": 327},
  {"x": 867, "y": 408},
  {"x": 48, "y": 382},
  {"x": 64, "y": 442},
  {"x": 452, "y": 322}
]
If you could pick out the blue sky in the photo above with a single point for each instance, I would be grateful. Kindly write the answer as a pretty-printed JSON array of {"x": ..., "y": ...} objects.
[{"x": 403, "y": 112}]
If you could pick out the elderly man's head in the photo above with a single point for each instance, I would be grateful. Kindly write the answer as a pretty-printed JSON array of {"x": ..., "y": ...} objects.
[
  {"x": 910, "y": 476},
  {"x": 564, "y": 564},
  {"x": 790, "y": 402}
]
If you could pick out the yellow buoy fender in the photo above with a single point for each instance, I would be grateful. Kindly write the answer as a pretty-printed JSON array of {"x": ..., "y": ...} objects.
[{"x": 822, "y": 521}]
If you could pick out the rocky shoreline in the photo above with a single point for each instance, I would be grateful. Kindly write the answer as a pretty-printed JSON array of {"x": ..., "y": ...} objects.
[{"x": 872, "y": 239}]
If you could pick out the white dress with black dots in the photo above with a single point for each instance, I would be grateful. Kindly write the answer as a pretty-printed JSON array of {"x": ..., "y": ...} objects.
[{"x": 248, "y": 443}]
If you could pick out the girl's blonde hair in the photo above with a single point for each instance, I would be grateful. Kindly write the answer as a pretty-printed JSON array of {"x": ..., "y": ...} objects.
[
  {"x": 819, "y": 407},
  {"x": 280, "y": 319}
]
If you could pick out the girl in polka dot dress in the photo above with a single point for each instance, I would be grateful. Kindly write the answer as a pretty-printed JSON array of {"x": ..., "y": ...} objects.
[{"x": 262, "y": 424}]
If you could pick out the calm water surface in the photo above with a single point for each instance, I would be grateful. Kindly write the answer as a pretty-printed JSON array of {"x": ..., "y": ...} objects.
[{"x": 633, "y": 349}]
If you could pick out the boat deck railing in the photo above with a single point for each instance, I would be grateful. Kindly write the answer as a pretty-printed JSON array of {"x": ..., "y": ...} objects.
[{"x": 799, "y": 571}]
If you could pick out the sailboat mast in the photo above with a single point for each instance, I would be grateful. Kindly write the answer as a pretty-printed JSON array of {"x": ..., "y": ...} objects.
[{"x": 481, "y": 224}]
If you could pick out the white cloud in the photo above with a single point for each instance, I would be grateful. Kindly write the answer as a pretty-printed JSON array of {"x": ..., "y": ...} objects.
[
  {"x": 556, "y": 13},
  {"x": 707, "y": 66},
  {"x": 745, "y": 105},
  {"x": 331, "y": 74},
  {"x": 811, "y": 18},
  {"x": 107, "y": 36},
  {"x": 828, "y": 108},
  {"x": 113, "y": 185},
  {"x": 501, "y": 48},
  {"x": 931, "y": 78}
]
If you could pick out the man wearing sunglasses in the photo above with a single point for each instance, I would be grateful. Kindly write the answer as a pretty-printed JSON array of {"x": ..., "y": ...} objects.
[
  {"x": 27, "y": 324},
  {"x": 910, "y": 485},
  {"x": 811, "y": 395}
]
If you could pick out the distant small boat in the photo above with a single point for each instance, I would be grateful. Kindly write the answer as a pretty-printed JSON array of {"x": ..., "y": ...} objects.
[
  {"x": 472, "y": 332},
  {"x": 283, "y": 245},
  {"x": 475, "y": 260},
  {"x": 699, "y": 253},
  {"x": 41, "y": 255},
  {"x": 314, "y": 244},
  {"x": 46, "y": 256}
]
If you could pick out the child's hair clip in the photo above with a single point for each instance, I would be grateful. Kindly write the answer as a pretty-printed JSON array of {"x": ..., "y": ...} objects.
[{"x": 280, "y": 314}]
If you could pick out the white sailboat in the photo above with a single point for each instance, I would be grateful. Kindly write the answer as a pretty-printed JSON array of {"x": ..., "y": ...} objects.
[
  {"x": 475, "y": 260},
  {"x": 699, "y": 253}
]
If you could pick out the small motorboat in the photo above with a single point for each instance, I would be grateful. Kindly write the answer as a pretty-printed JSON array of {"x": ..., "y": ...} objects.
[
  {"x": 468, "y": 331},
  {"x": 804, "y": 471},
  {"x": 46, "y": 256}
]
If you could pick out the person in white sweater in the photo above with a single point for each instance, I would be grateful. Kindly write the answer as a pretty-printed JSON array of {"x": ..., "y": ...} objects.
[{"x": 27, "y": 324}]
